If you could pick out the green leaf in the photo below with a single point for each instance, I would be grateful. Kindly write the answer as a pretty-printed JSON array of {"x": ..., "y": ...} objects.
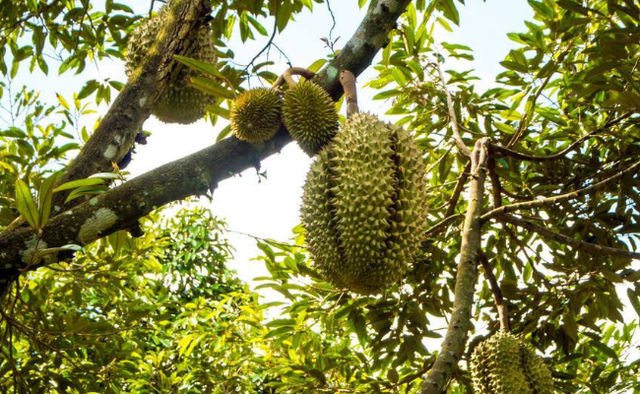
[
  {"x": 211, "y": 87},
  {"x": 88, "y": 88},
  {"x": 449, "y": 10},
  {"x": 317, "y": 65},
  {"x": 278, "y": 332},
  {"x": 26, "y": 205},
  {"x": 63, "y": 102},
  {"x": 634, "y": 300},
  {"x": 78, "y": 183},
  {"x": 197, "y": 65},
  {"x": 223, "y": 133},
  {"x": 45, "y": 194}
]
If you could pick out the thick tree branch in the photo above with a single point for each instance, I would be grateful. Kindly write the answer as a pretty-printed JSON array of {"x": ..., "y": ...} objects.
[
  {"x": 455, "y": 340},
  {"x": 117, "y": 130},
  {"x": 121, "y": 207},
  {"x": 566, "y": 240},
  {"x": 560, "y": 198}
]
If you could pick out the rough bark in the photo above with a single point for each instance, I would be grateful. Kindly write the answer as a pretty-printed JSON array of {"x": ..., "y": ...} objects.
[
  {"x": 121, "y": 207},
  {"x": 453, "y": 346}
]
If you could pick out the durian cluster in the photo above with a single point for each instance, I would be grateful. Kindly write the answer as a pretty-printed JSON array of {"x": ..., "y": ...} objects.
[
  {"x": 179, "y": 103},
  {"x": 503, "y": 364},
  {"x": 363, "y": 207},
  {"x": 306, "y": 110}
]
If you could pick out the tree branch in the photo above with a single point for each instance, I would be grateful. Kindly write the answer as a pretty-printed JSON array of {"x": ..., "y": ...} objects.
[
  {"x": 503, "y": 310},
  {"x": 455, "y": 340},
  {"x": 116, "y": 133},
  {"x": 560, "y": 198},
  {"x": 523, "y": 156},
  {"x": 120, "y": 208},
  {"x": 464, "y": 149},
  {"x": 441, "y": 225},
  {"x": 563, "y": 239},
  {"x": 455, "y": 196}
]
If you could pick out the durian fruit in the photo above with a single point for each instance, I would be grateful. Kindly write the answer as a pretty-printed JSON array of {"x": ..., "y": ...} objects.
[
  {"x": 503, "y": 364},
  {"x": 363, "y": 206},
  {"x": 536, "y": 370},
  {"x": 179, "y": 103},
  {"x": 256, "y": 115},
  {"x": 310, "y": 116}
]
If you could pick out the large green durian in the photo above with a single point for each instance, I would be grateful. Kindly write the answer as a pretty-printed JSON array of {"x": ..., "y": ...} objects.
[
  {"x": 310, "y": 116},
  {"x": 503, "y": 364},
  {"x": 363, "y": 205},
  {"x": 256, "y": 115},
  {"x": 179, "y": 103}
]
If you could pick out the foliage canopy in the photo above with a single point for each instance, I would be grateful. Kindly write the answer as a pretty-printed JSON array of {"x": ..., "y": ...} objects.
[{"x": 161, "y": 313}]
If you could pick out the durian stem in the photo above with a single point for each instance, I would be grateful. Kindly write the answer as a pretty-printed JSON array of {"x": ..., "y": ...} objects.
[
  {"x": 287, "y": 76},
  {"x": 348, "y": 82},
  {"x": 453, "y": 347},
  {"x": 503, "y": 309}
]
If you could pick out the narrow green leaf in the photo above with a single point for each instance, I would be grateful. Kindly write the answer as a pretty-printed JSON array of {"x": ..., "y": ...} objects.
[
  {"x": 211, "y": 87},
  {"x": 45, "y": 194},
  {"x": 78, "y": 183},
  {"x": 26, "y": 205}
]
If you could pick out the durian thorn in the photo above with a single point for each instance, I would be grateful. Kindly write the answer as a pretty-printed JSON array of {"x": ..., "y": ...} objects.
[
  {"x": 287, "y": 76},
  {"x": 348, "y": 82}
]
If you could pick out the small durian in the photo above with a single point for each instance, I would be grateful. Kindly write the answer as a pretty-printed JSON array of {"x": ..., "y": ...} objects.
[
  {"x": 503, "y": 364},
  {"x": 310, "y": 116},
  {"x": 179, "y": 103},
  {"x": 363, "y": 206},
  {"x": 256, "y": 115}
]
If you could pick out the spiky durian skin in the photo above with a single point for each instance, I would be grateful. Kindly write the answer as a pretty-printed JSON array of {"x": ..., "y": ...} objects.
[
  {"x": 310, "y": 116},
  {"x": 503, "y": 364},
  {"x": 256, "y": 115},
  {"x": 363, "y": 206},
  {"x": 179, "y": 103},
  {"x": 536, "y": 370}
]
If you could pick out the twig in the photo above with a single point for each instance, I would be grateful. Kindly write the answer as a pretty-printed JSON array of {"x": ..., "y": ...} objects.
[
  {"x": 283, "y": 54},
  {"x": 453, "y": 201},
  {"x": 560, "y": 198},
  {"x": 348, "y": 82},
  {"x": 273, "y": 35},
  {"x": 566, "y": 240},
  {"x": 452, "y": 114},
  {"x": 333, "y": 26},
  {"x": 503, "y": 309},
  {"x": 440, "y": 226}
]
